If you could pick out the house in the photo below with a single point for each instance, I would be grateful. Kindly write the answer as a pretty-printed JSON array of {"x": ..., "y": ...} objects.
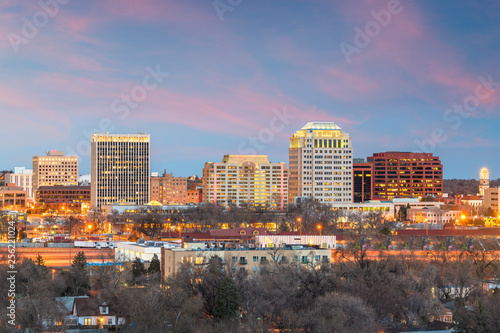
[{"x": 89, "y": 312}]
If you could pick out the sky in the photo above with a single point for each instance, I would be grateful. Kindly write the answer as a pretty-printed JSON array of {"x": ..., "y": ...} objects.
[{"x": 208, "y": 78}]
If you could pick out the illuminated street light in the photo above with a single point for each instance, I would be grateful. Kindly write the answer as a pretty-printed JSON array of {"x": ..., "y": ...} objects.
[{"x": 319, "y": 228}]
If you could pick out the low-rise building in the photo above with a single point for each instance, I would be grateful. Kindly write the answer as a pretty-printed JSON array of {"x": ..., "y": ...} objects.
[
  {"x": 63, "y": 199},
  {"x": 128, "y": 251},
  {"x": 242, "y": 259},
  {"x": 12, "y": 197},
  {"x": 270, "y": 240},
  {"x": 88, "y": 312},
  {"x": 433, "y": 215},
  {"x": 491, "y": 198}
]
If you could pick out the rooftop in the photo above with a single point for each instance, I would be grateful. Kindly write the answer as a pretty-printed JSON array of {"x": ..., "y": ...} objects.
[
  {"x": 240, "y": 159},
  {"x": 321, "y": 125}
]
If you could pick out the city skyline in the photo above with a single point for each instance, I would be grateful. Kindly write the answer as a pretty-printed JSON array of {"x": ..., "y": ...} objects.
[{"x": 212, "y": 79}]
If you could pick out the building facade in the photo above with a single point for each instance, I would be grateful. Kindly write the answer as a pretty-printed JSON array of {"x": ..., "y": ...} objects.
[
  {"x": 54, "y": 169},
  {"x": 63, "y": 199},
  {"x": 406, "y": 175},
  {"x": 12, "y": 197},
  {"x": 248, "y": 259},
  {"x": 362, "y": 180},
  {"x": 169, "y": 190},
  {"x": 23, "y": 178},
  {"x": 491, "y": 198},
  {"x": 246, "y": 181},
  {"x": 320, "y": 163},
  {"x": 119, "y": 169},
  {"x": 433, "y": 215}
]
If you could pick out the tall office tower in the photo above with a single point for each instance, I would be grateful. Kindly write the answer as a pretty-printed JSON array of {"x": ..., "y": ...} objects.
[
  {"x": 168, "y": 190},
  {"x": 54, "y": 169},
  {"x": 320, "y": 163},
  {"x": 484, "y": 181},
  {"x": 119, "y": 169},
  {"x": 404, "y": 174},
  {"x": 362, "y": 180},
  {"x": 246, "y": 181},
  {"x": 23, "y": 178}
]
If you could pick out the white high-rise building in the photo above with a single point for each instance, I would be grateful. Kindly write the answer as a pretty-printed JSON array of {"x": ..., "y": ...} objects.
[
  {"x": 22, "y": 177},
  {"x": 320, "y": 163},
  {"x": 119, "y": 169}
]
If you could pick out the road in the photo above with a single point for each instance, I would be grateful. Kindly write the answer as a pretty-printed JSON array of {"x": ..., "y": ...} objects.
[{"x": 62, "y": 257}]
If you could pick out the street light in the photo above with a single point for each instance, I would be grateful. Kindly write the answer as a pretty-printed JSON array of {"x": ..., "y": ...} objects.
[
  {"x": 299, "y": 220},
  {"x": 53, "y": 272},
  {"x": 180, "y": 230},
  {"x": 90, "y": 227},
  {"x": 426, "y": 227},
  {"x": 319, "y": 228}
]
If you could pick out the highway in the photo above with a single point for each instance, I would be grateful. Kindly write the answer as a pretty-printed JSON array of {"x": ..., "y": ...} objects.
[{"x": 62, "y": 257}]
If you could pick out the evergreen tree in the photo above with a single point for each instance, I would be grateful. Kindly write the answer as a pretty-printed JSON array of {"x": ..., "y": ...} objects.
[
  {"x": 77, "y": 278},
  {"x": 154, "y": 266},
  {"x": 40, "y": 261},
  {"x": 228, "y": 302},
  {"x": 138, "y": 270},
  {"x": 80, "y": 260}
]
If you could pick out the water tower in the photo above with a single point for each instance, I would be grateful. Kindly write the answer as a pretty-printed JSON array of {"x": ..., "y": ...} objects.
[{"x": 484, "y": 181}]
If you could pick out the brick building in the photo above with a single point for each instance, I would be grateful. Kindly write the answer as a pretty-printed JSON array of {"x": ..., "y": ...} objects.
[{"x": 169, "y": 190}]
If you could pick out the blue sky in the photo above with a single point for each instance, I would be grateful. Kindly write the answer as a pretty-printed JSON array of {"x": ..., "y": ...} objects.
[{"x": 424, "y": 77}]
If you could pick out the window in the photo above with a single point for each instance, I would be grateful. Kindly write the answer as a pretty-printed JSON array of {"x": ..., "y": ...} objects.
[
  {"x": 87, "y": 321},
  {"x": 235, "y": 259},
  {"x": 110, "y": 321},
  {"x": 255, "y": 258}
]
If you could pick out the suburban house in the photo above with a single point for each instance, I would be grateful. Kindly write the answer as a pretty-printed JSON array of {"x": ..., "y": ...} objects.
[{"x": 89, "y": 312}]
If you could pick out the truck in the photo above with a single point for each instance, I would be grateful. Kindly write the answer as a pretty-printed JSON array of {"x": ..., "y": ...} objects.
[{"x": 85, "y": 244}]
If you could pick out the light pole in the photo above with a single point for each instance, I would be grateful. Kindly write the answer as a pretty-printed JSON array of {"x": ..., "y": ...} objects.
[
  {"x": 53, "y": 272},
  {"x": 90, "y": 227},
  {"x": 36, "y": 242},
  {"x": 180, "y": 232},
  {"x": 426, "y": 227},
  {"x": 299, "y": 220},
  {"x": 320, "y": 244}
]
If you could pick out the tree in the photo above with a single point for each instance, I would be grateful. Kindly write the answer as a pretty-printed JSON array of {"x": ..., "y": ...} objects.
[
  {"x": 150, "y": 224},
  {"x": 77, "y": 278},
  {"x": 138, "y": 270},
  {"x": 339, "y": 313},
  {"x": 71, "y": 223},
  {"x": 228, "y": 302},
  {"x": 40, "y": 261},
  {"x": 154, "y": 266}
]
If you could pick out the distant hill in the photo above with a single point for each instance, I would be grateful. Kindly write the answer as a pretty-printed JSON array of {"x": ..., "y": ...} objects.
[{"x": 465, "y": 186}]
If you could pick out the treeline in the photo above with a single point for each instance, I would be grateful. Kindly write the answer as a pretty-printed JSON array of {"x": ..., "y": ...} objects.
[
  {"x": 306, "y": 216},
  {"x": 354, "y": 294},
  {"x": 464, "y": 186}
]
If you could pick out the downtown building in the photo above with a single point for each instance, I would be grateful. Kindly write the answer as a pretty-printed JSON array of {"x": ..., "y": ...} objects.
[
  {"x": 54, "y": 169},
  {"x": 320, "y": 164},
  {"x": 168, "y": 190},
  {"x": 362, "y": 180},
  {"x": 246, "y": 181},
  {"x": 119, "y": 169},
  {"x": 406, "y": 175},
  {"x": 23, "y": 178}
]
